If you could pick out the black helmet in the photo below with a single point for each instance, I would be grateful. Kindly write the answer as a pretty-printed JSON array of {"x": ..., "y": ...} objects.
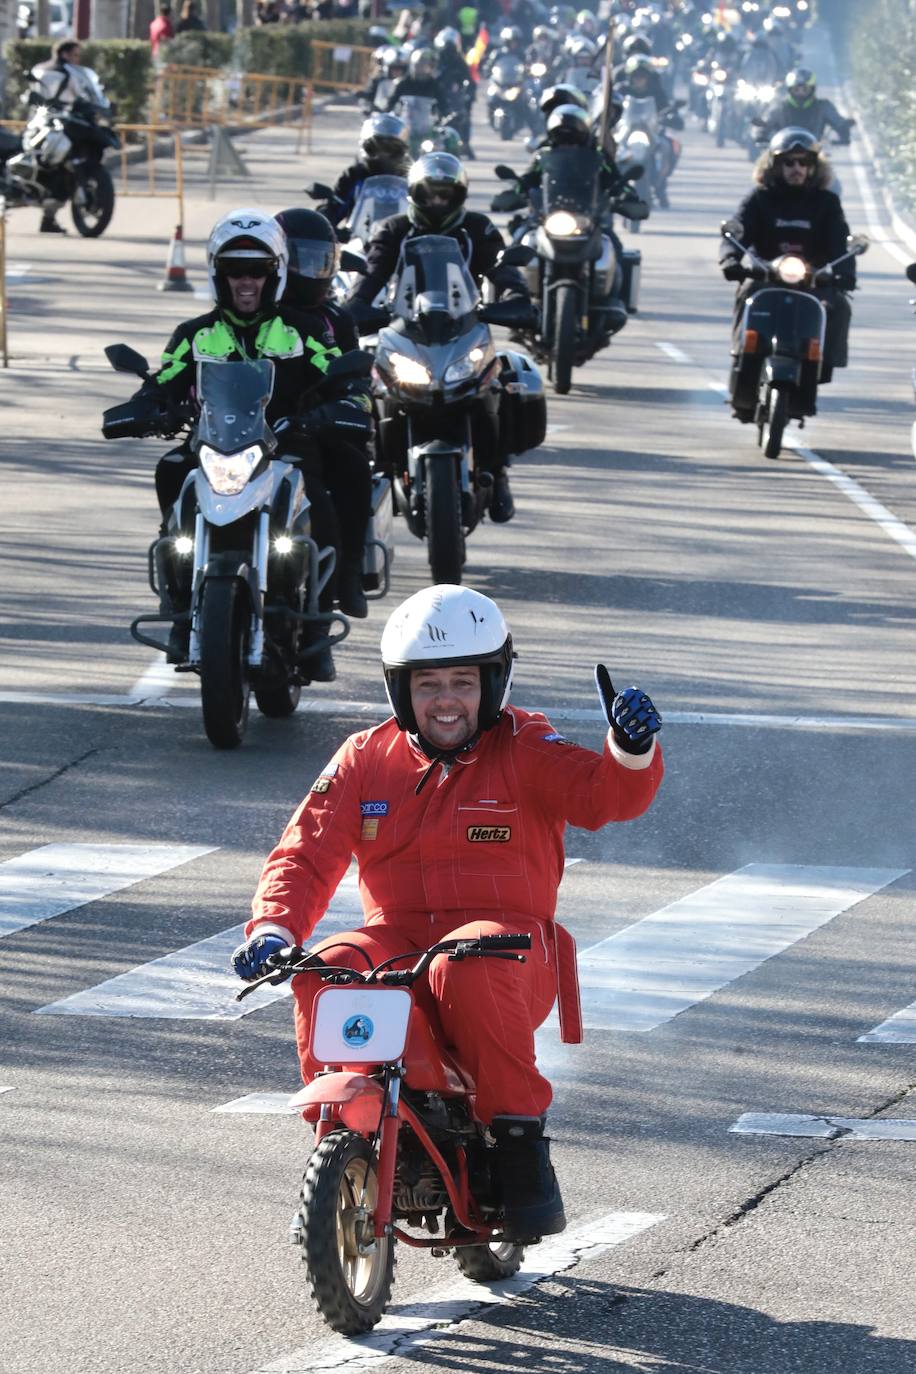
[
  {"x": 793, "y": 140},
  {"x": 801, "y": 83},
  {"x": 313, "y": 256},
  {"x": 640, "y": 65},
  {"x": 568, "y": 124},
  {"x": 436, "y": 177},
  {"x": 383, "y": 144},
  {"x": 636, "y": 43},
  {"x": 555, "y": 96}
]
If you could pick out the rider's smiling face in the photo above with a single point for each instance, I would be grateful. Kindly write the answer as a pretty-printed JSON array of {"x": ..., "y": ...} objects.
[{"x": 446, "y": 703}]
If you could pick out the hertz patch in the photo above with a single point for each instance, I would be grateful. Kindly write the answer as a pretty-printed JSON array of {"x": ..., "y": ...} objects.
[
  {"x": 320, "y": 785},
  {"x": 490, "y": 834}
]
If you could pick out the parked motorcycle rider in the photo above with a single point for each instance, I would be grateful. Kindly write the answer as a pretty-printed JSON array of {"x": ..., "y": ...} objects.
[
  {"x": 422, "y": 80},
  {"x": 403, "y": 798},
  {"x": 802, "y": 108},
  {"x": 247, "y": 260},
  {"x": 383, "y": 152},
  {"x": 569, "y": 126},
  {"x": 392, "y": 66},
  {"x": 458, "y": 86},
  {"x": 791, "y": 211},
  {"x": 58, "y": 82},
  {"x": 437, "y": 188},
  {"x": 510, "y": 42}
]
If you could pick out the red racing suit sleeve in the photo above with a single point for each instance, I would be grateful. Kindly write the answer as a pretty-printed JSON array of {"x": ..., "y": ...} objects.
[{"x": 301, "y": 874}]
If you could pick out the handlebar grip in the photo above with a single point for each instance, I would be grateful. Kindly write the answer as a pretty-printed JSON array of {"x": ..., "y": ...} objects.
[{"x": 500, "y": 942}]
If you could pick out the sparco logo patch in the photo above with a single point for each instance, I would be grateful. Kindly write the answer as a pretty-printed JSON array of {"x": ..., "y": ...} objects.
[{"x": 490, "y": 834}]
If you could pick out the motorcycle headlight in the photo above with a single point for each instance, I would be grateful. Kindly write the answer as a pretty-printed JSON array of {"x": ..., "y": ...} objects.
[
  {"x": 228, "y": 473},
  {"x": 513, "y": 93},
  {"x": 466, "y": 367},
  {"x": 792, "y": 270},
  {"x": 562, "y": 225},
  {"x": 801, "y": 5},
  {"x": 184, "y": 545},
  {"x": 408, "y": 371},
  {"x": 700, "y": 80},
  {"x": 782, "y": 12},
  {"x": 538, "y": 69}
]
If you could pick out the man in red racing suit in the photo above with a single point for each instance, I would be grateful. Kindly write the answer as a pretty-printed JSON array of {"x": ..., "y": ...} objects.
[{"x": 458, "y": 840}]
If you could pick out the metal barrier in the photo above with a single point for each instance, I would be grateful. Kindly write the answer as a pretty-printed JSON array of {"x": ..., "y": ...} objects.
[
  {"x": 202, "y": 97},
  {"x": 133, "y": 136},
  {"x": 336, "y": 67}
]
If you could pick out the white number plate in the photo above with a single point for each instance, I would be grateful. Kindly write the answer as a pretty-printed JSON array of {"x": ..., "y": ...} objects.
[{"x": 354, "y": 1025}]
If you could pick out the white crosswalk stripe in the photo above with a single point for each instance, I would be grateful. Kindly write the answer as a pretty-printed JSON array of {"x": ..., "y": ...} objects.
[
  {"x": 56, "y": 878},
  {"x": 196, "y": 983}
]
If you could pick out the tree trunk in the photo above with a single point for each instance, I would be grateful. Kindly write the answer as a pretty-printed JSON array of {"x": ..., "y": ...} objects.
[{"x": 244, "y": 10}]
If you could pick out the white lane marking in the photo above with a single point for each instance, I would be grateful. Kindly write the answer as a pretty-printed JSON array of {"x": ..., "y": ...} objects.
[
  {"x": 16, "y": 271},
  {"x": 825, "y": 1127},
  {"x": 438, "y": 1313},
  {"x": 261, "y": 1104},
  {"x": 379, "y": 710},
  {"x": 196, "y": 983},
  {"x": 6, "y": 1090},
  {"x": 673, "y": 351},
  {"x": 159, "y": 679},
  {"x": 56, "y": 878},
  {"x": 680, "y": 955},
  {"x": 558, "y": 429},
  {"x": 899, "y": 1029},
  {"x": 895, "y": 529}
]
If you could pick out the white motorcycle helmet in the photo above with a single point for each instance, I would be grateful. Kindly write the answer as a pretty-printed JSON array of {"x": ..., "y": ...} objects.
[
  {"x": 251, "y": 234},
  {"x": 444, "y": 627}
]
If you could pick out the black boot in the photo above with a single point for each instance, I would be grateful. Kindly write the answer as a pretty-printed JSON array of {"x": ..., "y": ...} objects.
[
  {"x": 502, "y": 507},
  {"x": 531, "y": 1199},
  {"x": 49, "y": 225},
  {"x": 350, "y": 595},
  {"x": 179, "y": 641}
]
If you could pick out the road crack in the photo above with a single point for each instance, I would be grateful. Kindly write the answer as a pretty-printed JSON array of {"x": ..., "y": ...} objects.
[{"x": 52, "y": 777}]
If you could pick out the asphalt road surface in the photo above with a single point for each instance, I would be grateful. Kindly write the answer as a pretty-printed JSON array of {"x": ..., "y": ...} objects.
[{"x": 758, "y": 920}]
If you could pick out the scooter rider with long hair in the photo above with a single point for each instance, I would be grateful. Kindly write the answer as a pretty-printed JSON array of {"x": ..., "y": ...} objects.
[
  {"x": 455, "y": 808},
  {"x": 437, "y": 188},
  {"x": 247, "y": 260},
  {"x": 790, "y": 210}
]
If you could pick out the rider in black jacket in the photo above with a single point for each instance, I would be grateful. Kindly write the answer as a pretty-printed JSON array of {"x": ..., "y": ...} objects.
[
  {"x": 437, "y": 188},
  {"x": 383, "y": 152},
  {"x": 790, "y": 210}
]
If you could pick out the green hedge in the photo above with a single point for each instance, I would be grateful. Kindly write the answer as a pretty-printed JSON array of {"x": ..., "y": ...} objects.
[
  {"x": 124, "y": 66},
  {"x": 883, "y": 74},
  {"x": 284, "y": 49},
  {"x": 197, "y": 48}
]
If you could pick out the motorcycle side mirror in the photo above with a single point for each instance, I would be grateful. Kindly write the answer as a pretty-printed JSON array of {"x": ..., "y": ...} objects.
[
  {"x": 352, "y": 262},
  {"x": 318, "y": 191},
  {"x": 123, "y": 358},
  {"x": 504, "y": 173},
  {"x": 911, "y": 272},
  {"x": 356, "y": 363},
  {"x": 731, "y": 228},
  {"x": 858, "y": 243},
  {"x": 517, "y": 255}
]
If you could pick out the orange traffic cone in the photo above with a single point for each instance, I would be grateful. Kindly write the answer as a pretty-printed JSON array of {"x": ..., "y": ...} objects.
[{"x": 176, "y": 277}]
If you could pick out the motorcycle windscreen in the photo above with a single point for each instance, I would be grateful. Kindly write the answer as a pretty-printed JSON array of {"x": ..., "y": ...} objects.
[
  {"x": 434, "y": 279},
  {"x": 379, "y": 198},
  {"x": 507, "y": 72},
  {"x": 87, "y": 86},
  {"x": 233, "y": 398},
  {"x": 639, "y": 112},
  {"x": 569, "y": 179},
  {"x": 790, "y": 317},
  {"x": 417, "y": 112}
]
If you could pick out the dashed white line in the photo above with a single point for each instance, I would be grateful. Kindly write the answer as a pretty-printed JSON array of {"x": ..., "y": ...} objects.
[{"x": 672, "y": 351}]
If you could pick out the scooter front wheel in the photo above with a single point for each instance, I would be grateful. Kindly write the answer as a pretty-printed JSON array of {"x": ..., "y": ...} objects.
[
  {"x": 350, "y": 1271},
  {"x": 484, "y": 1263},
  {"x": 775, "y": 423}
]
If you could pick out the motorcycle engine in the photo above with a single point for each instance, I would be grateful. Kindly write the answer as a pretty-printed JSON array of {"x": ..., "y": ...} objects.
[{"x": 418, "y": 1186}]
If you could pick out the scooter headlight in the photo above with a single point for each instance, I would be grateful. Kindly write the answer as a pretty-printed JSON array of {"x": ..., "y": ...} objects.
[
  {"x": 408, "y": 371},
  {"x": 469, "y": 366},
  {"x": 563, "y": 225},
  {"x": 228, "y": 473},
  {"x": 792, "y": 270}
]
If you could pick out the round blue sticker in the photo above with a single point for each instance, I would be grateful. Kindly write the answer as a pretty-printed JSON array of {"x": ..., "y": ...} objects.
[{"x": 358, "y": 1030}]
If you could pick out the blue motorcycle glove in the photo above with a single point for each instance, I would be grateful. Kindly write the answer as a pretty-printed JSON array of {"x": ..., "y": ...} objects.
[
  {"x": 630, "y": 714},
  {"x": 249, "y": 959}
]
